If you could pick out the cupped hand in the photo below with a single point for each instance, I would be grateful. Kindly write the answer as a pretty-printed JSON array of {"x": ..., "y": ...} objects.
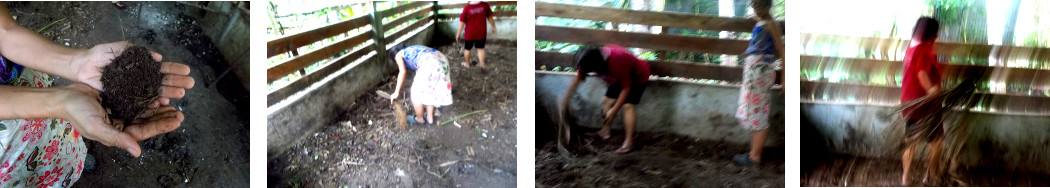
[
  {"x": 79, "y": 104},
  {"x": 88, "y": 65}
]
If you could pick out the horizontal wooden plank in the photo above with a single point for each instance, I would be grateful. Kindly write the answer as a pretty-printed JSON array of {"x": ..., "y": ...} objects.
[
  {"x": 293, "y": 41},
  {"x": 410, "y": 28},
  {"x": 314, "y": 77},
  {"x": 894, "y": 49},
  {"x": 491, "y": 3},
  {"x": 660, "y": 68},
  {"x": 868, "y": 71},
  {"x": 403, "y": 19},
  {"x": 822, "y": 92},
  {"x": 677, "y": 20},
  {"x": 641, "y": 40},
  {"x": 299, "y": 62},
  {"x": 402, "y": 8},
  {"x": 498, "y": 14}
]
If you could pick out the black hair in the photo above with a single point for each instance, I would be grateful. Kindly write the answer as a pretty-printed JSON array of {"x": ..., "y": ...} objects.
[
  {"x": 927, "y": 28},
  {"x": 766, "y": 4},
  {"x": 392, "y": 52},
  {"x": 589, "y": 59}
]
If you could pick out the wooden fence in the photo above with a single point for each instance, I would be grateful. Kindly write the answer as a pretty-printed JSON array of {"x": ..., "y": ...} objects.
[
  {"x": 869, "y": 81},
  {"x": 416, "y": 15},
  {"x": 646, "y": 40},
  {"x": 496, "y": 5}
]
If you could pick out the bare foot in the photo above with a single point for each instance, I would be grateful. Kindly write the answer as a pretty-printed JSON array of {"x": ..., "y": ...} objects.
[
  {"x": 623, "y": 150},
  {"x": 465, "y": 64},
  {"x": 605, "y": 133}
]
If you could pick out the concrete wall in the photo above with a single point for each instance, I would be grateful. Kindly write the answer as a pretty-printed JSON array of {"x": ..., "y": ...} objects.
[
  {"x": 237, "y": 39},
  {"x": 289, "y": 124},
  {"x": 696, "y": 110},
  {"x": 506, "y": 28},
  {"x": 1012, "y": 142}
]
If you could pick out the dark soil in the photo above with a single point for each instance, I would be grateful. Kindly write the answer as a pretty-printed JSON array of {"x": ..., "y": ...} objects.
[
  {"x": 367, "y": 148},
  {"x": 210, "y": 148},
  {"x": 842, "y": 170},
  {"x": 659, "y": 160},
  {"x": 131, "y": 83}
]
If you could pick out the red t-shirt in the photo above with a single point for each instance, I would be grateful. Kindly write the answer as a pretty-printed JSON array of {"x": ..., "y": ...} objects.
[
  {"x": 624, "y": 68},
  {"x": 918, "y": 57},
  {"x": 474, "y": 17}
]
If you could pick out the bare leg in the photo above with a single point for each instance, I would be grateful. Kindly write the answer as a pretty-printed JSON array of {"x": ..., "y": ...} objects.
[
  {"x": 466, "y": 58},
  {"x": 607, "y": 104},
  {"x": 906, "y": 159},
  {"x": 629, "y": 121},
  {"x": 430, "y": 113},
  {"x": 758, "y": 143},
  {"x": 481, "y": 58},
  {"x": 934, "y": 157},
  {"x": 418, "y": 108}
]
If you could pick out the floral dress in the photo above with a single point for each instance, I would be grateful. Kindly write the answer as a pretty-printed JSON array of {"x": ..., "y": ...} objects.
[
  {"x": 756, "y": 91},
  {"x": 432, "y": 84},
  {"x": 37, "y": 152}
]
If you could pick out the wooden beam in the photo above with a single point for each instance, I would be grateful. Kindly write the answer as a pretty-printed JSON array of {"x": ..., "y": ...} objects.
[
  {"x": 892, "y": 47},
  {"x": 667, "y": 19},
  {"x": 401, "y": 8},
  {"x": 491, "y": 3},
  {"x": 299, "y": 62},
  {"x": 660, "y": 68},
  {"x": 406, "y": 18},
  {"x": 499, "y": 14},
  {"x": 822, "y": 92},
  {"x": 403, "y": 31},
  {"x": 641, "y": 40},
  {"x": 868, "y": 71},
  {"x": 313, "y": 77},
  {"x": 292, "y": 41}
]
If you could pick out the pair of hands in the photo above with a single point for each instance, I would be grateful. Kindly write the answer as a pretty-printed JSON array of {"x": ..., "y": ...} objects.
[
  {"x": 493, "y": 32},
  {"x": 79, "y": 103}
]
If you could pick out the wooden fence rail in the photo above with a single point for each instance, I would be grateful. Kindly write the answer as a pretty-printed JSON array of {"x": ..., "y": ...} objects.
[
  {"x": 422, "y": 12},
  {"x": 495, "y": 5},
  {"x": 646, "y": 40}
]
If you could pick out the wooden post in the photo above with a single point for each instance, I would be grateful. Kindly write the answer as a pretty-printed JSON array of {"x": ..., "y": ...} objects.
[{"x": 377, "y": 33}]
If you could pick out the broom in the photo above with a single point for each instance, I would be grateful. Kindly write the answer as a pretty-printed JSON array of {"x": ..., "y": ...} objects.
[
  {"x": 399, "y": 111},
  {"x": 934, "y": 110}
]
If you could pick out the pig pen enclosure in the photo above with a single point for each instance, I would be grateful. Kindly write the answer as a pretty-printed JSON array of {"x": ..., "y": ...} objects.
[
  {"x": 850, "y": 86},
  {"x": 328, "y": 127},
  {"x": 687, "y": 132},
  {"x": 210, "y": 148}
]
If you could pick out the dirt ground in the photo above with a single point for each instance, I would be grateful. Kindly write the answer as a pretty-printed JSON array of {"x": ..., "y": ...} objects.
[
  {"x": 210, "y": 149},
  {"x": 369, "y": 149},
  {"x": 659, "y": 160},
  {"x": 841, "y": 170}
]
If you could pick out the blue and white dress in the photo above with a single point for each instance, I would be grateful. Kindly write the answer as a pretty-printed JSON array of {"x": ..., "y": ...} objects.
[{"x": 432, "y": 84}]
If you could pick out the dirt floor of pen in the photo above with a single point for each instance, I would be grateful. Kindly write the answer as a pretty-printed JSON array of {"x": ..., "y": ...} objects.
[{"x": 365, "y": 147}]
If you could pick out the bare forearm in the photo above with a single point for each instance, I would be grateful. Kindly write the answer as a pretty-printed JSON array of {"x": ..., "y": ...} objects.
[
  {"x": 460, "y": 30},
  {"x": 619, "y": 102},
  {"x": 34, "y": 51},
  {"x": 25, "y": 102}
]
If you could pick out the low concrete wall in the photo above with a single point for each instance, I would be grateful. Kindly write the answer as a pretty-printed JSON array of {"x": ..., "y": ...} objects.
[
  {"x": 236, "y": 42},
  {"x": 696, "y": 110},
  {"x": 1011, "y": 142},
  {"x": 506, "y": 28},
  {"x": 291, "y": 123}
]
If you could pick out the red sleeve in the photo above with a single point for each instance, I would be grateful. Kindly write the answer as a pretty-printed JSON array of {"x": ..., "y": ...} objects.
[
  {"x": 488, "y": 10},
  {"x": 463, "y": 15}
]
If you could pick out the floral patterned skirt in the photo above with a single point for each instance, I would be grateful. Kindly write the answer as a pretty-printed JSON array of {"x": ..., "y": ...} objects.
[
  {"x": 432, "y": 84},
  {"x": 39, "y": 152},
  {"x": 756, "y": 92}
]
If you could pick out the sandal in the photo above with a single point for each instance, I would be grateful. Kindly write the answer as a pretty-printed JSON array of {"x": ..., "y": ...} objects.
[
  {"x": 623, "y": 150},
  {"x": 743, "y": 160},
  {"x": 412, "y": 120}
]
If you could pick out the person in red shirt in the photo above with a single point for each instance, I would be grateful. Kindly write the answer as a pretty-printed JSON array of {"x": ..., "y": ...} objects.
[
  {"x": 922, "y": 77},
  {"x": 473, "y": 20},
  {"x": 627, "y": 77}
]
